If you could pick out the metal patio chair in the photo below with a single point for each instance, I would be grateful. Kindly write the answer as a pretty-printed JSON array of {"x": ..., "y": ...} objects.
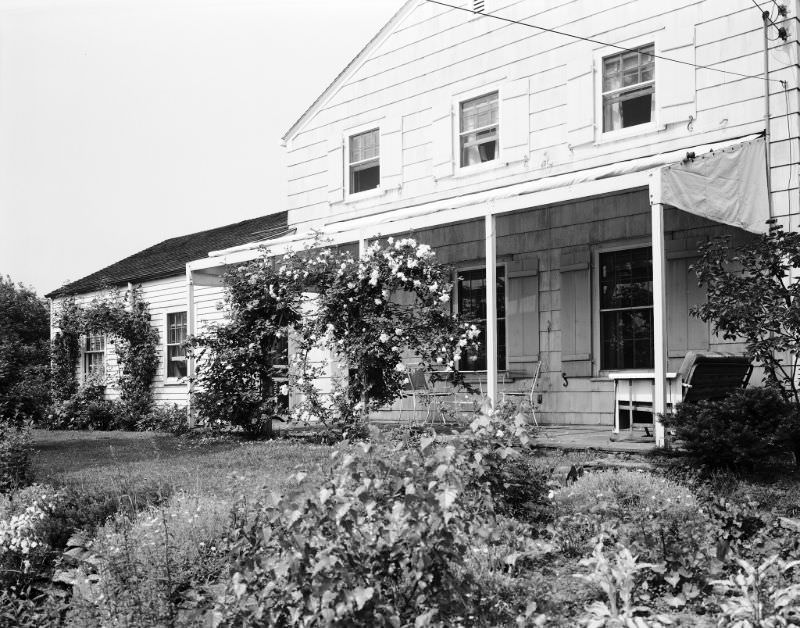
[{"x": 528, "y": 395}]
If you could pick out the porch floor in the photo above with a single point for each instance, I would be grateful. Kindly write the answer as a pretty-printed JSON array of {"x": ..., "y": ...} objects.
[{"x": 582, "y": 437}]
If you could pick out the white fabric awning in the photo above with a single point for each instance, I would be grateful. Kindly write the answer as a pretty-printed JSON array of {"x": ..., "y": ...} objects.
[{"x": 728, "y": 186}]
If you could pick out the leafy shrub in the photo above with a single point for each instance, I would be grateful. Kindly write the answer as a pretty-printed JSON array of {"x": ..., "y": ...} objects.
[
  {"x": 658, "y": 520},
  {"x": 384, "y": 540},
  {"x": 164, "y": 418},
  {"x": 86, "y": 409},
  {"x": 24, "y": 550},
  {"x": 744, "y": 429},
  {"x": 638, "y": 505},
  {"x": 22, "y": 610},
  {"x": 149, "y": 564},
  {"x": 502, "y": 444},
  {"x": 15, "y": 459},
  {"x": 761, "y": 595}
]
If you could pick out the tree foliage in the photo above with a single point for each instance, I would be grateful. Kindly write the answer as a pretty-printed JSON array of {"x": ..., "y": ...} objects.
[
  {"x": 752, "y": 297},
  {"x": 24, "y": 353},
  {"x": 350, "y": 321}
]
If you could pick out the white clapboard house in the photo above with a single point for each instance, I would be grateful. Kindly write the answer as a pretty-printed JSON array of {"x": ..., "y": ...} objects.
[
  {"x": 160, "y": 272},
  {"x": 577, "y": 152}
]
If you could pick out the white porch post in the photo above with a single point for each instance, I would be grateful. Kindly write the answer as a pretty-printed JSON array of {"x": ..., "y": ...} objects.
[
  {"x": 659, "y": 306},
  {"x": 491, "y": 309},
  {"x": 189, "y": 332}
]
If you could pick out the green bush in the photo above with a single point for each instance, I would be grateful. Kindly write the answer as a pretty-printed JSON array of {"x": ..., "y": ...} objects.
[
  {"x": 152, "y": 564},
  {"x": 745, "y": 429},
  {"x": 164, "y": 418},
  {"x": 88, "y": 409},
  {"x": 637, "y": 508},
  {"x": 385, "y": 541},
  {"x": 15, "y": 459}
]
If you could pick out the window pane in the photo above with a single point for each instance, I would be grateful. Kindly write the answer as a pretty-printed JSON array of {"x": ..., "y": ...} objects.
[
  {"x": 626, "y": 318},
  {"x": 176, "y": 328},
  {"x": 176, "y": 361},
  {"x": 95, "y": 342},
  {"x": 364, "y": 177},
  {"x": 364, "y": 146},
  {"x": 472, "y": 308},
  {"x": 627, "y": 339},
  {"x": 94, "y": 364},
  {"x": 479, "y": 112},
  {"x": 629, "y": 108},
  {"x": 477, "y": 148},
  {"x": 632, "y": 72}
]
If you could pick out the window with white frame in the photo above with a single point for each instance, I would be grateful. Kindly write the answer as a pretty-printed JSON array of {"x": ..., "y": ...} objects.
[
  {"x": 479, "y": 130},
  {"x": 94, "y": 355},
  {"x": 176, "y": 352},
  {"x": 629, "y": 88},
  {"x": 626, "y": 309},
  {"x": 471, "y": 304},
  {"x": 365, "y": 165}
]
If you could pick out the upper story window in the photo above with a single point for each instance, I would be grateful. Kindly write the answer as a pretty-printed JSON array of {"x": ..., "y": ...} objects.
[
  {"x": 626, "y": 309},
  {"x": 628, "y": 88},
  {"x": 471, "y": 304},
  {"x": 94, "y": 355},
  {"x": 176, "y": 352},
  {"x": 365, "y": 166},
  {"x": 479, "y": 130}
]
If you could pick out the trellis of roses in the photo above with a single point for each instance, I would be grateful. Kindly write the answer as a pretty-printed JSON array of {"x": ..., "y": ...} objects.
[
  {"x": 125, "y": 320},
  {"x": 369, "y": 316}
]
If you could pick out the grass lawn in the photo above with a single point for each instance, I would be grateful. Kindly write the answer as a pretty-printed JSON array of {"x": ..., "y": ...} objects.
[{"x": 222, "y": 468}]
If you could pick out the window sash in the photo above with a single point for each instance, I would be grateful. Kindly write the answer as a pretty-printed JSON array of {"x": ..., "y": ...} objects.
[
  {"x": 364, "y": 146},
  {"x": 471, "y": 300},
  {"x": 94, "y": 363},
  {"x": 626, "y": 289},
  {"x": 177, "y": 328},
  {"x": 479, "y": 113}
]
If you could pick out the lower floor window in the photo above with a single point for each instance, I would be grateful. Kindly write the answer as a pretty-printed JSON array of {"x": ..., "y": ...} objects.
[
  {"x": 471, "y": 304},
  {"x": 626, "y": 309},
  {"x": 94, "y": 355},
  {"x": 176, "y": 352}
]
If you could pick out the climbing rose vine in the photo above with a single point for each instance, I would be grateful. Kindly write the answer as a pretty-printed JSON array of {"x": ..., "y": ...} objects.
[{"x": 352, "y": 327}]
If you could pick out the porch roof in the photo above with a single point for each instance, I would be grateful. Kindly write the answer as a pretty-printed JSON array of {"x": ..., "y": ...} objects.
[{"x": 631, "y": 174}]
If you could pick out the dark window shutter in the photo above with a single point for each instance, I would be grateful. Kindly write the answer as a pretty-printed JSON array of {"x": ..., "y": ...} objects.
[{"x": 576, "y": 312}]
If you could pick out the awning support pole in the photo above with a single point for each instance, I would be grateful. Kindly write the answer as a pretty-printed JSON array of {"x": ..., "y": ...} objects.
[
  {"x": 659, "y": 307},
  {"x": 190, "y": 330},
  {"x": 491, "y": 309}
]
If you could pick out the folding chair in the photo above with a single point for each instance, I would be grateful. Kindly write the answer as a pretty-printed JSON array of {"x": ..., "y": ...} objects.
[
  {"x": 526, "y": 394},
  {"x": 417, "y": 385}
]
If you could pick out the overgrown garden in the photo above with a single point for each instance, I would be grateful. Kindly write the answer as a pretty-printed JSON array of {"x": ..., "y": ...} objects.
[{"x": 410, "y": 528}]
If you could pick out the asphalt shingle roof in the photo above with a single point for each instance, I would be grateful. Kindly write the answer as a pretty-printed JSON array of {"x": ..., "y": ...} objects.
[{"x": 169, "y": 258}]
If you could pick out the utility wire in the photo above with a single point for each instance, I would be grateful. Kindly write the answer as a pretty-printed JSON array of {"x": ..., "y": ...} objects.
[
  {"x": 596, "y": 41},
  {"x": 781, "y": 30}
]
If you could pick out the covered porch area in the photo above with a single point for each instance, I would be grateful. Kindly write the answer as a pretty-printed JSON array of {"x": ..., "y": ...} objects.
[{"x": 591, "y": 285}]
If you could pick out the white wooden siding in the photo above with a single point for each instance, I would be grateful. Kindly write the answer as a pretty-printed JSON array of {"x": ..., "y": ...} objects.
[{"x": 435, "y": 54}]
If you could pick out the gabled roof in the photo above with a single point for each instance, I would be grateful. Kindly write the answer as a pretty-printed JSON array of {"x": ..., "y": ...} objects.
[
  {"x": 352, "y": 66},
  {"x": 169, "y": 258}
]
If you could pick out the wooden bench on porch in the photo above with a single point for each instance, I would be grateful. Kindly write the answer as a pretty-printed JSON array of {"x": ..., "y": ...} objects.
[{"x": 702, "y": 375}]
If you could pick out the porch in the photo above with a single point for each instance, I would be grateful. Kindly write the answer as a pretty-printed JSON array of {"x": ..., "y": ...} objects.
[{"x": 591, "y": 278}]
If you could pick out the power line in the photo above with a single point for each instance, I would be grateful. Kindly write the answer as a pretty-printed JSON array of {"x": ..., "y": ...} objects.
[
  {"x": 596, "y": 41},
  {"x": 768, "y": 15}
]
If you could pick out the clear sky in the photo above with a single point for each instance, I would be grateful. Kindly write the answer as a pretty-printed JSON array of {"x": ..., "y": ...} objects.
[{"x": 126, "y": 122}]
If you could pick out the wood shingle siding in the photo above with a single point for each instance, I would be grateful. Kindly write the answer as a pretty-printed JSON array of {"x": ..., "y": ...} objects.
[{"x": 434, "y": 55}]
